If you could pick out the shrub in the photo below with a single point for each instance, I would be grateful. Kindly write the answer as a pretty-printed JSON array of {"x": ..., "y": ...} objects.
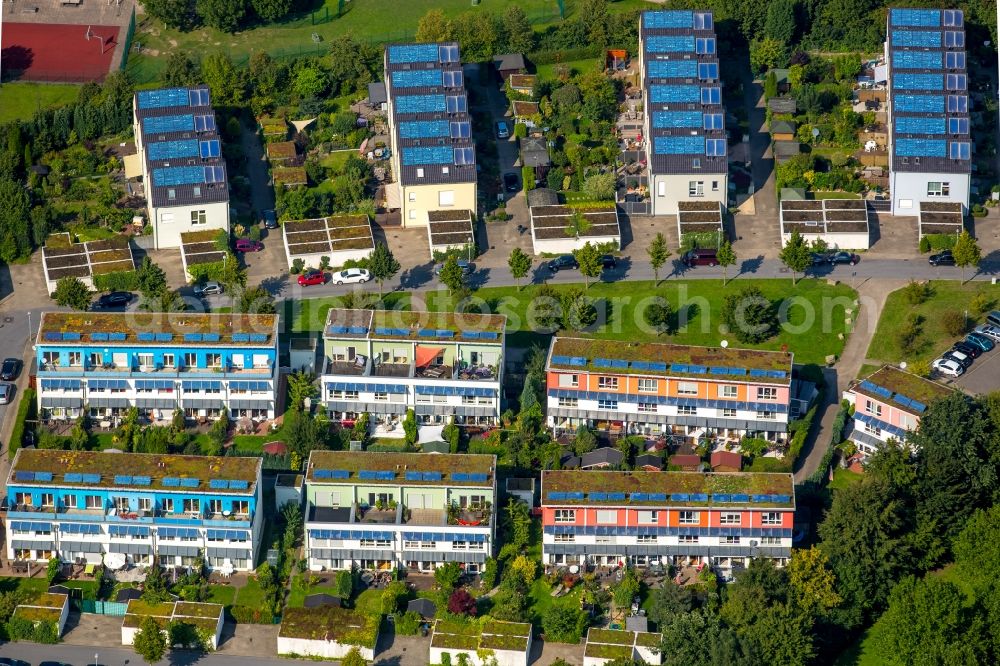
[
  {"x": 393, "y": 596},
  {"x": 461, "y": 603},
  {"x": 410, "y": 427},
  {"x": 26, "y": 410},
  {"x": 981, "y": 303},
  {"x": 953, "y": 322},
  {"x": 297, "y": 266},
  {"x": 489, "y": 575},
  {"x": 917, "y": 292},
  {"x": 324, "y": 263},
  {"x": 520, "y": 130},
  {"x": 925, "y": 244},
  {"x": 941, "y": 241},
  {"x": 528, "y": 177},
  {"x": 979, "y": 210},
  {"x": 408, "y": 623},
  {"x": 907, "y": 337},
  {"x": 453, "y": 435},
  {"x": 117, "y": 281},
  {"x": 345, "y": 584}
]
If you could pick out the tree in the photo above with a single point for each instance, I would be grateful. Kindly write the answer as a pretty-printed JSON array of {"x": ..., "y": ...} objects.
[
  {"x": 461, "y": 602},
  {"x": 795, "y": 255},
  {"x": 301, "y": 385},
  {"x": 520, "y": 35},
  {"x": 177, "y": 14},
  {"x": 668, "y": 601},
  {"x": 344, "y": 584},
  {"x": 181, "y": 70},
  {"x": 699, "y": 638},
  {"x": 52, "y": 570},
  {"x": 452, "y": 275},
  {"x": 518, "y": 262},
  {"x": 577, "y": 225},
  {"x": 310, "y": 82},
  {"x": 564, "y": 624},
  {"x": 149, "y": 641},
  {"x": 770, "y": 85},
  {"x": 256, "y": 300},
  {"x": 447, "y": 576},
  {"x": 224, "y": 15},
  {"x": 726, "y": 258},
  {"x": 749, "y": 315},
  {"x": 589, "y": 258},
  {"x": 15, "y": 213},
  {"x": 271, "y": 10},
  {"x": 766, "y": 54},
  {"x": 353, "y": 658},
  {"x": 223, "y": 79},
  {"x": 660, "y": 315},
  {"x": 579, "y": 313},
  {"x": 584, "y": 440},
  {"x": 780, "y": 23},
  {"x": 966, "y": 252},
  {"x": 72, "y": 293},
  {"x": 600, "y": 186},
  {"x": 812, "y": 583},
  {"x": 434, "y": 26},
  {"x": 658, "y": 254},
  {"x": 382, "y": 265}
]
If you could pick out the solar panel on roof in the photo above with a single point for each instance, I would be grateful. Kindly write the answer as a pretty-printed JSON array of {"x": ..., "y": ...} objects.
[
  {"x": 448, "y": 53},
  {"x": 164, "y": 337},
  {"x": 91, "y": 478},
  {"x": 666, "y": 94},
  {"x": 424, "y": 129},
  {"x": 210, "y": 337},
  {"x": 560, "y": 360},
  {"x": 146, "y": 337},
  {"x": 185, "y": 175},
  {"x": 117, "y": 337},
  {"x": 464, "y": 156},
  {"x": 171, "y": 482},
  {"x": 190, "y": 483},
  {"x": 24, "y": 476},
  {"x": 192, "y": 337},
  {"x": 677, "y": 119},
  {"x": 410, "y": 53},
  {"x": 416, "y": 78},
  {"x": 916, "y": 59},
  {"x": 718, "y": 371},
  {"x": 214, "y": 174},
  {"x": 73, "y": 477},
  {"x": 921, "y": 147},
  {"x": 919, "y": 103},
  {"x": 456, "y": 104},
  {"x": 670, "y": 44},
  {"x": 677, "y": 18},
  {"x": 924, "y": 38},
  {"x": 183, "y": 122},
  {"x": 204, "y": 123},
  {"x": 754, "y": 372},
  {"x": 672, "y": 69},
  {"x": 452, "y": 78},
  {"x": 220, "y": 484},
  {"x": 208, "y": 149},
  {"x": 53, "y": 336},
  {"x": 578, "y": 361},
  {"x": 141, "y": 480},
  {"x": 919, "y": 406},
  {"x": 262, "y": 337},
  {"x": 919, "y": 125},
  {"x": 916, "y": 18},
  {"x": 242, "y": 337},
  {"x": 123, "y": 479},
  {"x": 713, "y": 121},
  {"x": 169, "y": 150},
  {"x": 420, "y": 104},
  {"x": 417, "y": 155},
  {"x": 199, "y": 97},
  {"x": 911, "y": 81},
  {"x": 678, "y": 145},
  {"x": 461, "y": 129},
  {"x": 238, "y": 484},
  {"x": 72, "y": 337},
  {"x": 162, "y": 98}
]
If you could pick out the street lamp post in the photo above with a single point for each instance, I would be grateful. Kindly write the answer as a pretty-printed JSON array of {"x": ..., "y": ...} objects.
[{"x": 96, "y": 657}]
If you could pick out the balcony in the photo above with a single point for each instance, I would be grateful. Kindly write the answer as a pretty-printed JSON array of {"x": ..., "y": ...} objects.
[
  {"x": 354, "y": 368},
  {"x": 401, "y": 370},
  {"x": 112, "y": 370},
  {"x": 473, "y": 516}
]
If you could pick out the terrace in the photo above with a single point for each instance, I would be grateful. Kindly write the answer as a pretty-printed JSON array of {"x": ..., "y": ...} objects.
[
  {"x": 940, "y": 217},
  {"x": 345, "y": 468},
  {"x": 339, "y": 237},
  {"x": 191, "y": 328},
  {"x": 199, "y": 247},
  {"x": 448, "y": 229},
  {"x": 696, "y": 217}
]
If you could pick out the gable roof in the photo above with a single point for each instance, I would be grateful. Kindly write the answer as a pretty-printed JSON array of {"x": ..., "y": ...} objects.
[
  {"x": 507, "y": 61},
  {"x": 729, "y": 459},
  {"x": 605, "y": 456},
  {"x": 782, "y": 127}
]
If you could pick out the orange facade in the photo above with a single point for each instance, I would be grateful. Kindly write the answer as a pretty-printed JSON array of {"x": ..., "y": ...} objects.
[
  {"x": 663, "y": 387},
  {"x": 671, "y": 517}
]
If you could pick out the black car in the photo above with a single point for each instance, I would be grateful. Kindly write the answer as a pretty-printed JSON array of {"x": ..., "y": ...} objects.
[
  {"x": 562, "y": 262},
  {"x": 116, "y": 299},
  {"x": 844, "y": 258},
  {"x": 511, "y": 183},
  {"x": 7, "y": 661},
  {"x": 943, "y": 258},
  {"x": 270, "y": 219},
  {"x": 961, "y": 358},
  {"x": 10, "y": 369},
  {"x": 967, "y": 348},
  {"x": 608, "y": 261},
  {"x": 54, "y": 663},
  {"x": 819, "y": 258},
  {"x": 29, "y": 438}
]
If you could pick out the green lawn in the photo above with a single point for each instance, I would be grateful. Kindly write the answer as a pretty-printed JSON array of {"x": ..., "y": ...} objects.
[
  {"x": 542, "y": 600},
  {"x": 618, "y": 303},
  {"x": 548, "y": 71},
  {"x": 337, "y": 160},
  {"x": 859, "y": 653},
  {"x": 836, "y": 195},
  {"x": 250, "y": 595},
  {"x": 299, "y": 591},
  {"x": 947, "y": 295},
  {"x": 19, "y": 101},
  {"x": 32, "y": 586},
  {"x": 843, "y": 478},
  {"x": 221, "y": 594}
]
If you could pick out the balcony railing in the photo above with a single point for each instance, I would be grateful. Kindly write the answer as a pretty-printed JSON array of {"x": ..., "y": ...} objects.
[{"x": 112, "y": 370}]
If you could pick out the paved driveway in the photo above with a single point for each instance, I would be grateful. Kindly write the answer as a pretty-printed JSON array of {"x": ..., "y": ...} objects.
[{"x": 982, "y": 377}]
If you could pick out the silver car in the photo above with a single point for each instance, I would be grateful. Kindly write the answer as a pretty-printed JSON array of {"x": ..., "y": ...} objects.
[
  {"x": 990, "y": 331},
  {"x": 208, "y": 289},
  {"x": 6, "y": 393}
]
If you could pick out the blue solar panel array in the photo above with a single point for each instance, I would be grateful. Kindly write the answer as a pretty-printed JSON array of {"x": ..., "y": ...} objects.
[
  {"x": 916, "y": 18},
  {"x": 921, "y": 147},
  {"x": 925, "y": 38},
  {"x": 919, "y": 103},
  {"x": 660, "y": 94},
  {"x": 919, "y": 125},
  {"x": 424, "y": 129},
  {"x": 171, "y": 150},
  {"x": 409, "y": 53},
  {"x": 670, "y": 44},
  {"x": 918, "y": 82},
  {"x": 668, "y": 19},
  {"x": 679, "y": 145},
  {"x": 164, "y": 124},
  {"x": 210, "y": 148},
  {"x": 417, "y": 155},
  {"x": 917, "y": 59},
  {"x": 677, "y": 119},
  {"x": 416, "y": 78},
  {"x": 672, "y": 69},
  {"x": 163, "y": 98},
  {"x": 420, "y": 104}
]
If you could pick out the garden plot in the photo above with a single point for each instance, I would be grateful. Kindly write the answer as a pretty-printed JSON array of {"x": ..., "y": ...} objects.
[
  {"x": 199, "y": 247},
  {"x": 940, "y": 217},
  {"x": 340, "y": 238},
  {"x": 562, "y": 229}
]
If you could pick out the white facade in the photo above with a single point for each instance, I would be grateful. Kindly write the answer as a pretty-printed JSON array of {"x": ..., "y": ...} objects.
[
  {"x": 667, "y": 189},
  {"x": 169, "y": 222},
  {"x": 908, "y": 189},
  {"x": 837, "y": 241},
  {"x": 429, "y": 408},
  {"x": 307, "y": 647},
  {"x": 438, "y": 544},
  {"x": 569, "y": 244}
]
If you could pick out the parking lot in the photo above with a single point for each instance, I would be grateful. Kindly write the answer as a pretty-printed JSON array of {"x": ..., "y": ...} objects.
[{"x": 983, "y": 376}]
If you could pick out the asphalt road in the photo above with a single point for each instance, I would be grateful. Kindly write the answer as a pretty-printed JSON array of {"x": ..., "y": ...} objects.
[{"x": 82, "y": 655}]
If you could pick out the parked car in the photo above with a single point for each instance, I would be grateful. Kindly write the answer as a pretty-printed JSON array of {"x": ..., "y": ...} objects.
[
  {"x": 10, "y": 369},
  {"x": 270, "y": 219},
  {"x": 53, "y": 663},
  {"x": 503, "y": 132},
  {"x": 511, "y": 182},
  {"x": 116, "y": 299},
  {"x": 989, "y": 331},
  {"x": 820, "y": 258},
  {"x": 312, "y": 277},
  {"x": 608, "y": 261},
  {"x": 958, "y": 357},
  {"x": 7, "y": 661},
  {"x": 247, "y": 245},
  {"x": 993, "y": 319},
  {"x": 844, "y": 258},
  {"x": 29, "y": 437},
  {"x": 701, "y": 257},
  {"x": 980, "y": 341},
  {"x": 210, "y": 288},
  {"x": 6, "y": 393},
  {"x": 948, "y": 367},
  {"x": 466, "y": 266},
  {"x": 943, "y": 258},
  {"x": 563, "y": 262},
  {"x": 352, "y": 275},
  {"x": 967, "y": 348}
]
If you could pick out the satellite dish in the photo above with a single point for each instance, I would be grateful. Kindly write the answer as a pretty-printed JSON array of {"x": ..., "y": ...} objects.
[
  {"x": 815, "y": 132},
  {"x": 902, "y": 365},
  {"x": 724, "y": 344}
]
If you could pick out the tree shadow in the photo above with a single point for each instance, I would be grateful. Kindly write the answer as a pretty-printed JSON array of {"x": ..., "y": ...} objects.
[
  {"x": 416, "y": 277},
  {"x": 16, "y": 60},
  {"x": 619, "y": 272},
  {"x": 678, "y": 268},
  {"x": 751, "y": 265},
  {"x": 478, "y": 278}
]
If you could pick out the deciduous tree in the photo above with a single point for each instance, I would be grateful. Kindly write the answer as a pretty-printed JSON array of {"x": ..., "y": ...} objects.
[
  {"x": 726, "y": 258},
  {"x": 224, "y": 15},
  {"x": 452, "y": 275},
  {"x": 658, "y": 254},
  {"x": 72, "y": 293},
  {"x": 271, "y": 10},
  {"x": 434, "y": 26},
  {"x": 519, "y": 264},
  {"x": 589, "y": 259},
  {"x": 795, "y": 255},
  {"x": 382, "y": 265},
  {"x": 149, "y": 641},
  {"x": 966, "y": 252}
]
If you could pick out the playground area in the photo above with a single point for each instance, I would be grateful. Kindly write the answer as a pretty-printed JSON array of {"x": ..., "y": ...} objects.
[{"x": 70, "y": 41}]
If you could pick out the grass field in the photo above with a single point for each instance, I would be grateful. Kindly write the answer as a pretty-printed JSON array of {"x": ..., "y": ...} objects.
[
  {"x": 19, "y": 101},
  {"x": 836, "y": 195},
  {"x": 575, "y": 67},
  {"x": 620, "y": 312},
  {"x": 933, "y": 339},
  {"x": 843, "y": 478}
]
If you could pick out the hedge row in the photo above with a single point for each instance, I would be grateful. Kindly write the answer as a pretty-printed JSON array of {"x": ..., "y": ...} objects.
[
  {"x": 820, "y": 475},
  {"x": 119, "y": 281},
  {"x": 26, "y": 410}
]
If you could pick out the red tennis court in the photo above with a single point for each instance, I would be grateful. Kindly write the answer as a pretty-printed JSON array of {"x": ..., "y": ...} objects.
[{"x": 57, "y": 52}]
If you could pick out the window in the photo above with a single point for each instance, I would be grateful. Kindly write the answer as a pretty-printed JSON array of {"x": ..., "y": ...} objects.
[
  {"x": 687, "y": 388},
  {"x": 873, "y": 430},
  {"x": 192, "y": 506},
  {"x": 241, "y": 507},
  {"x": 565, "y": 515},
  {"x": 381, "y": 397},
  {"x": 954, "y": 39},
  {"x": 569, "y": 402},
  {"x": 730, "y": 518},
  {"x": 873, "y": 407},
  {"x": 767, "y": 393},
  {"x": 661, "y": 189},
  {"x": 48, "y": 499},
  {"x": 938, "y": 189},
  {"x": 715, "y": 147},
  {"x": 569, "y": 380},
  {"x": 647, "y": 517},
  {"x": 958, "y": 125},
  {"x": 565, "y": 538},
  {"x": 770, "y": 518},
  {"x": 420, "y": 172},
  {"x": 215, "y": 506},
  {"x": 190, "y": 360},
  {"x": 708, "y": 70},
  {"x": 646, "y": 538},
  {"x": 729, "y": 412},
  {"x": 704, "y": 45},
  {"x": 731, "y": 540},
  {"x": 445, "y": 170},
  {"x": 687, "y": 538},
  {"x": 960, "y": 150},
  {"x": 411, "y": 545},
  {"x": 648, "y": 385},
  {"x": 198, "y": 217},
  {"x": 92, "y": 502},
  {"x": 376, "y": 543},
  {"x": 145, "y": 504},
  {"x": 689, "y": 517},
  {"x": 766, "y": 415},
  {"x": 770, "y": 541},
  {"x": 715, "y": 186},
  {"x": 23, "y": 499},
  {"x": 69, "y": 501},
  {"x": 168, "y": 505},
  {"x": 121, "y": 503},
  {"x": 728, "y": 391},
  {"x": 607, "y": 403},
  {"x": 171, "y": 195},
  {"x": 428, "y": 545},
  {"x": 711, "y": 95},
  {"x": 608, "y": 383},
  {"x": 696, "y": 163},
  {"x": 456, "y": 104},
  {"x": 702, "y": 20},
  {"x": 446, "y": 198},
  {"x": 607, "y": 517},
  {"x": 696, "y": 188},
  {"x": 955, "y": 82},
  {"x": 603, "y": 538},
  {"x": 75, "y": 358},
  {"x": 954, "y": 60},
  {"x": 647, "y": 407},
  {"x": 687, "y": 410},
  {"x": 958, "y": 104},
  {"x": 412, "y": 196}
]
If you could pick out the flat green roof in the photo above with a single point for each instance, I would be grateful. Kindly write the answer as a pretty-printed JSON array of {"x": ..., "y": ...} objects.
[
  {"x": 903, "y": 384},
  {"x": 181, "y": 325},
  {"x": 478, "y": 635},
  {"x": 197, "y": 609},
  {"x": 330, "y": 623},
  {"x": 446, "y": 465},
  {"x": 57, "y": 464},
  {"x": 408, "y": 325},
  {"x": 37, "y": 614}
]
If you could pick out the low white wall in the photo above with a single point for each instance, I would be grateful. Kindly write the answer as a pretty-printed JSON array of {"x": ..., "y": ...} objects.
[
  {"x": 63, "y": 616},
  {"x": 569, "y": 244},
  {"x": 435, "y": 655},
  {"x": 503, "y": 657},
  {"x": 336, "y": 258},
  {"x": 316, "y": 648},
  {"x": 857, "y": 241}
]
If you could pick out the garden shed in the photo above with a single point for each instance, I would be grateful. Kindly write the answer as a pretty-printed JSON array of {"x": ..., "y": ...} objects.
[
  {"x": 940, "y": 217},
  {"x": 840, "y": 223},
  {"x": 508, "y": 642},
  {"x": 199, "y": 247},
  {"x": 607, "y": 645},
  {"x": 328, "y": 632},
  {"x": 46, "y": 607},
  {"x": 702, "y": 218},
  {"x": 341, "y": 238}
]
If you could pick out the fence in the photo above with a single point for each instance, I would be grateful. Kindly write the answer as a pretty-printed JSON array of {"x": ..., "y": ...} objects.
[
  {"x": 115, "y": 608},
  {"x": 128, "y": 40}
]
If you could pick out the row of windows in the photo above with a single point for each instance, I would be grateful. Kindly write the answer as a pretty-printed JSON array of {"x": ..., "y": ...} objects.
[
  {"x": 124, "y": 504},
  {"x": 653, "y": 408},
  {"x": 431, "y": 545},
  {"x": 148, "y": 360},
  {"x": 683, "y": 538},
  {"x": 610, "y": 383},
  {"x": 610, "y": 517}
]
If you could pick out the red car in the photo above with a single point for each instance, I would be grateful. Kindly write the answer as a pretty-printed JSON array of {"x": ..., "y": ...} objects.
[
  {"x": 247, "y": 245},
  {"x": 312, "y": 277}
]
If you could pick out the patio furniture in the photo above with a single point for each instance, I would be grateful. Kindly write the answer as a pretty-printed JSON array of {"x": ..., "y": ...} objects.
[{"x": 90, "y": 569}]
